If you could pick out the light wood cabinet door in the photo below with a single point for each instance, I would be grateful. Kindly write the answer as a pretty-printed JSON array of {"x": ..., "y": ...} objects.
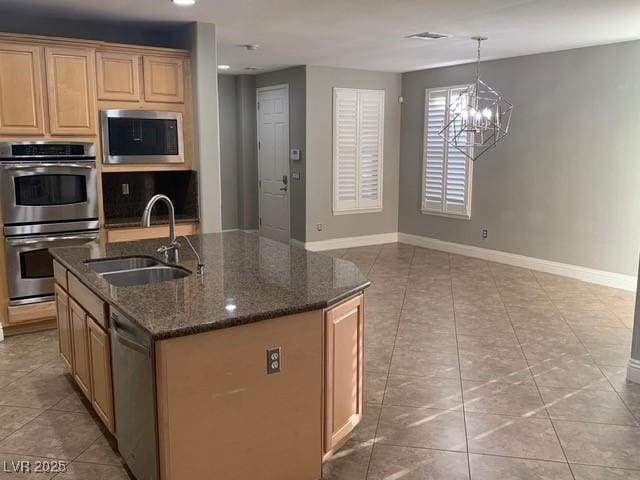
[
  {"x": 102, "y": 387},
  {"x": 71, "y": 77},
  {"x": 21, "y": 81},
  {"x": 64, "y": 327},
  {"x": 343, "y": 371},
  {"x": 118, "y": 76},
  {"x": 163, "y": 79},
  {"x": 81, "y": 365}
]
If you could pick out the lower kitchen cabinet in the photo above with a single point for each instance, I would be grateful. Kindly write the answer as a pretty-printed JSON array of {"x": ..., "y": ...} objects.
[
  {"x": 101, "y": 384},
  {"x": 81, "y": 366},
  {"x": 85, "y": 343},
  {"x": 64, "y": 327},
  {"x": 344, "y": 358}
]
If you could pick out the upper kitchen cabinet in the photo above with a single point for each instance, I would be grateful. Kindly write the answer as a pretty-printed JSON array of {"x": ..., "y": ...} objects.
[
  {"x": 71, "y": 89},
  {"x": 118, "y": 76},
  {"x": 21, "y": 109},
  {"x": 163, "y": 79}
]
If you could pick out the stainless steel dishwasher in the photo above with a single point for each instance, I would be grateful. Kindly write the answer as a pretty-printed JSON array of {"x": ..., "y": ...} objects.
[{"x": 134, "y": 397}]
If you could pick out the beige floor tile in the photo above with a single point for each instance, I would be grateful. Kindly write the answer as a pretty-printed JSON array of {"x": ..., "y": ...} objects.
[
  {"x": 609, "y": 355},
  {"x": 366, "y": 429},
  {"x": 349, "y": 463},
  {"x": 36, "y": 390},
  {"x": 600, "y": 444},
  {"x": 374, "y": 387},
  {"x": 425, "y": 392},
  {"x": 569, "y": 374},
  {"x": 586, "y": 472},
  {"x": 606, "y": 335},
  {"x": 532, "y": 438},
  {"x": 586, "y": 406},
  {"x": 496, "y": 369},
  {"x": 86, "y": 471},
  {"x": 392, "y": 462},
  {"x": 422, "y": 428},
  {"x": 505, "y": 347},
  {"x": 424, "y": 364},
  {"x": 503, "y": 399},
  {"x": 101, "y": 451},
  {"x": 486, "y": 467},
  {"x": 24, "y": 467},
  {"x": 53, "y": 435}
]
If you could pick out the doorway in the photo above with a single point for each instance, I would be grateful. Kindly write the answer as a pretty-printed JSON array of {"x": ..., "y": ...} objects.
[{"x": 272, "y": 104}]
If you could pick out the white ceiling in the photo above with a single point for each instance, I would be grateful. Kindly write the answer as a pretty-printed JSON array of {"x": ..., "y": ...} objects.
[{"x": 370, "y": 34}]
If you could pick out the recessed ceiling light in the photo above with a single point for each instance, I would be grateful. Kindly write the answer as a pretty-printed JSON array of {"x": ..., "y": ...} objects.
[
  {"x": 251, "y": 46},
  {"x": 223, "y": 67},
  {"x": 428, "y": 36},
  {"x": 184, "y": 3}
]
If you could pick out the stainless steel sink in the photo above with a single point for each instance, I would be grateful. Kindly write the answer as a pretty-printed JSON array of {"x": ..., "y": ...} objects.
[
  {"x": 119, "y": 264},
  {"x": 143, "y": 276},
  {"x": 130, "y": 271}
]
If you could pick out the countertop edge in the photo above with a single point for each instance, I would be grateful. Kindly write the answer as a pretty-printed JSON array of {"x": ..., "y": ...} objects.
[{"x": 235, "y": 322}]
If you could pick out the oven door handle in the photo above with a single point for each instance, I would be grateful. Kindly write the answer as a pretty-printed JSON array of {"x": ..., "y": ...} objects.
[
  {"x": 16, "y": 242},
  {"x": 27, "y": 166}
]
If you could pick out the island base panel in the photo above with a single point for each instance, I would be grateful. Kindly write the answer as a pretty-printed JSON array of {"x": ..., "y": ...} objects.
[{"x": 220, "y": 415}]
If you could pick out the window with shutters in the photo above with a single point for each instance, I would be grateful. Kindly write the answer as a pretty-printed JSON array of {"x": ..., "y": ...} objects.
[
  {"x": 358, "y": 130},
  {"x": 447, "y": 172}
]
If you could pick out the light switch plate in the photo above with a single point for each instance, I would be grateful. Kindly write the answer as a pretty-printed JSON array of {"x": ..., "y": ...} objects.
[
  {"x": 125, "y": 189},
  {"x": 274, "y": 360}
]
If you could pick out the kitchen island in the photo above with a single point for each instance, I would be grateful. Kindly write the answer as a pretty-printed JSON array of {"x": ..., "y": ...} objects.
[{"x": 252, "y": 370}]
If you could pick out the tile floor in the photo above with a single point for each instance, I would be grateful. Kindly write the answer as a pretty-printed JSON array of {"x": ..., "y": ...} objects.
[
  {"x": 473, "y": 370},
  {"x": 477, "y": 370}
]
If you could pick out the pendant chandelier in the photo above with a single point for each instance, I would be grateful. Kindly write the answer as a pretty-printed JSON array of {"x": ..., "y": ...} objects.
[{"x": 478, "y": 117}]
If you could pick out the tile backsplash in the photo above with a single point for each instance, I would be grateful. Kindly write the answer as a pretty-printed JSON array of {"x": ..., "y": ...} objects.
[{"x": 126, "y": 194}]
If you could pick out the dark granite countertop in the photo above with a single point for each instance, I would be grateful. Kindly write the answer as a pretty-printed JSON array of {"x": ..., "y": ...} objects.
[
  {"x": 155, "y": 220},
  {"x": 247, "y": 278}
]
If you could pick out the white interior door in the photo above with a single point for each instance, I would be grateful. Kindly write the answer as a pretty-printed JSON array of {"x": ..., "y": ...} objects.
[{"x": 273, "y": 161}]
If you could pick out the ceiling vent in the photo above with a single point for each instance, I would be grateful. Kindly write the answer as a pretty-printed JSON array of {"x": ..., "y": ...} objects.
[{"x": 429, "y": 36}]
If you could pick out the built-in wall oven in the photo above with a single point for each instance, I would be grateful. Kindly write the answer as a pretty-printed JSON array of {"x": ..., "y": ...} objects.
[
  {"x": 49, "y": 198},
  {"x": 141, "y": 136}
]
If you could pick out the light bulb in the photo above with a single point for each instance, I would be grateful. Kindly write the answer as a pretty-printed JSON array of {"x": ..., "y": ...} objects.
[
  {"x": 486, "y": 113},
  {"x": 184, "y": 3},
  {"x": 223, "y": 67}
]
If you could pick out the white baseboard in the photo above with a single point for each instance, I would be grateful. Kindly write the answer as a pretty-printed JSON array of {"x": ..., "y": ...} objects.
[
  {"x": 1, "y": 334},
  {"x": 601, "y": 277},
  {"x": 633, "y": 370},
  {"x": 350, "y": 242}
]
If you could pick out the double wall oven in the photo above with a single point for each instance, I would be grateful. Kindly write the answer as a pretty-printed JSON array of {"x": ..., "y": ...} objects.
[{"x": 49, "y": 198}]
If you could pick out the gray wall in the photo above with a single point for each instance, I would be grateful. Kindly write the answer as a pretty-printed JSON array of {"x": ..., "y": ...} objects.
[
  {"x": 228, "y": 151},
  {"x": 565, "y": 183},
  {"x": 202, "y": 42},
  {"x": 248, "y": 208},
  {"x": 238, "y": 156},
  {"x": 296, "y": 79},
  {"x": 320, "y": 83}
]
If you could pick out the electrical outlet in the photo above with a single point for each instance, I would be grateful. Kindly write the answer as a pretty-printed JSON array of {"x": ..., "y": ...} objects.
[
  {"x": 125, "y": 189},
  {"x": 274, "y": 360},
  {"x": 319, "y": 227},
  {"x": 485, "y": 233}
]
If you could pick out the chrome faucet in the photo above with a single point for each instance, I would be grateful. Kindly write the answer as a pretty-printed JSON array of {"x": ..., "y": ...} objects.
[{"x": 170, "y": 251}]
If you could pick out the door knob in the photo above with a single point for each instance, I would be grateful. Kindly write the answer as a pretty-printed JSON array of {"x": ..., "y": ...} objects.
[{"x": 284, "y": 189}]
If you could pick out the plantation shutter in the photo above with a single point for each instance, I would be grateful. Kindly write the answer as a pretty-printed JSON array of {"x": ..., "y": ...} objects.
[
  {"x": 358, "y": 130},
  {"x": 434, "y": 149},
  {"x": 447, "y": 170}
]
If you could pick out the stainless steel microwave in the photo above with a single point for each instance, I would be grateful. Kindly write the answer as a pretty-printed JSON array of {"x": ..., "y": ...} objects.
[{"x": 141, "y": 136}]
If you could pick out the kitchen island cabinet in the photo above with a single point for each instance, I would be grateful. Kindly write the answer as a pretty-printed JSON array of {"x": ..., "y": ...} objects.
[{"x": 257, "y": 362}]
